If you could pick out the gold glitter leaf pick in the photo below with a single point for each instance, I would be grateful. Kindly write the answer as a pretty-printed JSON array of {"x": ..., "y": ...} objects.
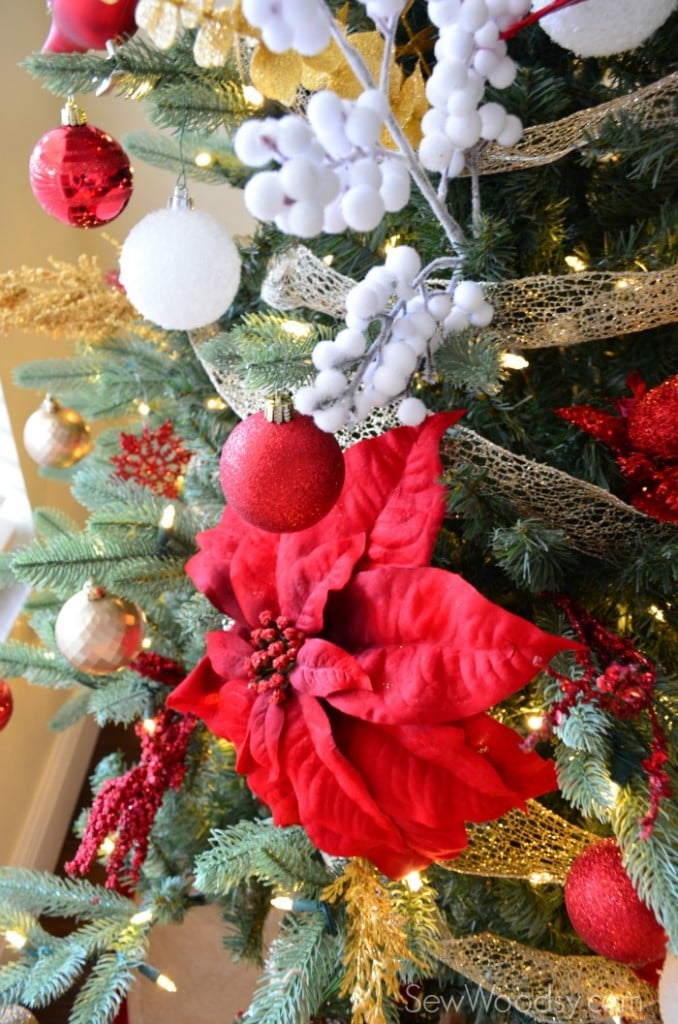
[
  {"x": 276, "y": 75},
  {"x": 160, "y": 19},
  {"x": 376, "y": 942},
  {"x": 214, "y": 41}
]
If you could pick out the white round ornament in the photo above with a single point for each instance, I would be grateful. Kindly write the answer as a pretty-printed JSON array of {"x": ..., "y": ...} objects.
[
  {"x": 97, "y": 632},
  {"x": 668, "y": 990},
  {"x": 179, "y": 267},
  {"x": 598, "y": 28},
  {"x": 55, "y": 436}
]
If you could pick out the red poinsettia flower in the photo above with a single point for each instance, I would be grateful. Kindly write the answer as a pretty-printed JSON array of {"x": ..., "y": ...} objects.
[{"x": 355, "y": 678}]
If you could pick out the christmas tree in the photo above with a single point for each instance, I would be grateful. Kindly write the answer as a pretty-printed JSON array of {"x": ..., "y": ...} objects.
[{"x": 380, "y": 553}]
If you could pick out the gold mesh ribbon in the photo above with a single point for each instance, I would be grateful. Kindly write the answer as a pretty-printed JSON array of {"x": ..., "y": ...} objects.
[
  {"x": 592, "y": 520},
  {"x": 549, "y": 988},
  {"x": 538, "y": 846},
  {"x": 530, "y": 312},
  {"x": 653, "y": 106}
]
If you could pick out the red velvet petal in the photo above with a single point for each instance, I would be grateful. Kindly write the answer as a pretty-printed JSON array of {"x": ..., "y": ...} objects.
[
  {"x": 306, "y": 574},
  {"x": 323, "y": 669},
  {"x": 437, "y": 780},
  {"x": 235, "y": 568},
  {"x": 391, "y": 493},
  {"x": 434, "y": 648},
  {"x": 218, "y": 695}
]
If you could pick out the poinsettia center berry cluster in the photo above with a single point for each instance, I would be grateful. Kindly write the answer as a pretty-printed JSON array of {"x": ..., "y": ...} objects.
[{"x": 276, "y": 646}]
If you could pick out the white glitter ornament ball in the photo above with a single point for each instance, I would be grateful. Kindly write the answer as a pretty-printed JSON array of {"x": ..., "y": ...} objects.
[
  {"x": 99, "y": 633},
  {"x": 180, "y": 268},
  {"x": 668, "y": 990},
  {"x": 598, "y": 28}
]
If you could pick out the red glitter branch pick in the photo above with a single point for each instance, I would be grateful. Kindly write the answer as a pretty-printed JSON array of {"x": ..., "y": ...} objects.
[
  {"x": 529, "y": 19},
  {"x": 159, "y": 669},
  {"x": 621, "y": 681},
  {"x": 154, "y": 459},
  {"x": 125, "y": 808}
]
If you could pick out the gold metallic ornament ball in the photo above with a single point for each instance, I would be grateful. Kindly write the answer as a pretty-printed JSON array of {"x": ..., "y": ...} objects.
[
  {"x": 56, "y": 437},
  {"x": 99, "y": 633}
]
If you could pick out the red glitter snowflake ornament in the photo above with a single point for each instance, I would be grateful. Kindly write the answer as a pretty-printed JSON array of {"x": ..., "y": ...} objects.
[{"x": 155, "y": 459}]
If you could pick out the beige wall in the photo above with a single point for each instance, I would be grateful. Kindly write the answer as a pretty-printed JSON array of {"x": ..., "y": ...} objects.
[{"x": 36, "y": 769}]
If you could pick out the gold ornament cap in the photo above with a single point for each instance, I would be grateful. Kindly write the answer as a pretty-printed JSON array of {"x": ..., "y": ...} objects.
[
  {"x": 279, "y": 408},
  {"x": 71, "y": 114}
]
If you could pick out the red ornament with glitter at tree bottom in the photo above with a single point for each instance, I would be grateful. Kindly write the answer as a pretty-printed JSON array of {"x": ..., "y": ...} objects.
[
  {"x": 126, "y": 807},
  {"x": 643, "y": 436},
  {"x": 6, "y": 704},
  {"x": 79, "y": 25},
  {"x": 279, "y": 470},
  {"x": 79, "y": 174},
  {"x": 606, "y": 911},
  {"x": 155, "y": 459},
  {"x": 355, "y": 680}
]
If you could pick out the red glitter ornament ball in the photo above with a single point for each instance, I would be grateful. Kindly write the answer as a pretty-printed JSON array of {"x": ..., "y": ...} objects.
[
  {"x": 281, "y": 477},
  {"x": 653, "y": 421},
  {"x": 79, "y": 25},
  {"x": 79, "y": 174},
  {"x": 606, "y": 911},
  {"x": 6, "y": 704}
]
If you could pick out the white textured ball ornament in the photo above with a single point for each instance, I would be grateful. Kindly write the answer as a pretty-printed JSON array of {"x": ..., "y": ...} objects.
[
  {"x": 180, "y": 268},
  {"x": 668, "y": 990},
  {"x": 99, "y": 633},
  {"x": 598, "y": 28}
]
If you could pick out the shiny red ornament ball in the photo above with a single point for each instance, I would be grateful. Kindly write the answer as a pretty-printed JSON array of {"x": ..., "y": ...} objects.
[
  {"x": 606, "y": 911},
  {"x": 653, "y": 421},
  {"x": 79, "y": 25},
  {"x": 6, "y": 704},
  {"x": 281, "y": 477},
  {"x": 80, "y": 175}
]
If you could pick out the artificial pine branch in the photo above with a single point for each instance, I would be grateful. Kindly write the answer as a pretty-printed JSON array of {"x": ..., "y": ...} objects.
[{"x": 282, "y": 857}]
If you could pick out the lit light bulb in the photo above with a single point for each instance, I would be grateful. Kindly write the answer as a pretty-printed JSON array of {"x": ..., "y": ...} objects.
[
  {"x": 282, "y": 902},
  {"x": 534, "y": 722},
  {"x": 107, "y": 847},
  {"x": 162, "y": 981},
  {"x": 656, "y": 613},
  {"x": 143, "y": 408},
  {"x": 202, "y": 159},
  {"x": 149, "y": 725},
  {"x": 390, "y": 244},
  {"x": 141, "y": 917},
  {"x": 328, "y": 260},
  {"x": 296, "y": 328},
  {"x": 413, "y": 881},
  {"x": 15, "y": 939},
  {"x": 541, "y": 878},
  {"x": 252, "y": 96},
  {"x": 167, "y": 518},
  {"x": 215, "y": 403},
  {"x": 513, "y": 361},
  {"x": 575, "y": 263}
]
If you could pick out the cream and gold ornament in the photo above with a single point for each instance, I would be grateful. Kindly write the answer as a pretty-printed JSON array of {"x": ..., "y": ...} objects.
[
  {"x": 15, "y": 1014},
  {"x": 55, "y": 436},
  {"x": 97, "y": 632},
  {"x": 599, "y": 28},
  {"x": 668, "y": 990}
]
